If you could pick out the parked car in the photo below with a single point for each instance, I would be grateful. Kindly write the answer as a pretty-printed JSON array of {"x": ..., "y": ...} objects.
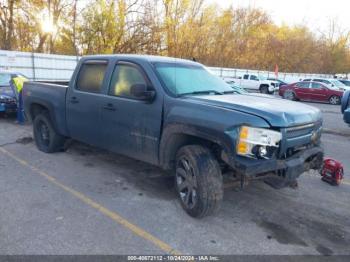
[
  {"x": 311, "y": 91},
  {"x": 345, "y": 81},
  {"x": 345, "y": 107},
  {"x": 257, "y": 83},
  {"x": 8, "y": 103},
  {"x": 330, "y": 83},
  {"x": 175, "y": 114}
]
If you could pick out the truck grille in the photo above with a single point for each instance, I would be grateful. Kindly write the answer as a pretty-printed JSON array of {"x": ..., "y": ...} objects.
[
  {"x": 297, "y": 131},
  {"x": 298, "y": 137}
]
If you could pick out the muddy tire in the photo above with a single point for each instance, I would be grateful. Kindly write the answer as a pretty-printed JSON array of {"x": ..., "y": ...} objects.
[
  {"x": 198, "y": 181},
  {"x": 46, "y": 138}
]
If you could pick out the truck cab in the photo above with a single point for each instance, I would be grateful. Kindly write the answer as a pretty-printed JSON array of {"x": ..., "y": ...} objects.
[{"x": 174, "y": 114}]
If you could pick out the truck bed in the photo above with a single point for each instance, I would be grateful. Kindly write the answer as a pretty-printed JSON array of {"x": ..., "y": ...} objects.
[{"x": 52, "y": 94}]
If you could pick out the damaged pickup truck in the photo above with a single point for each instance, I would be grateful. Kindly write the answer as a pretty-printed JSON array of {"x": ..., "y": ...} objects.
[{"x": 174, "y": 114}]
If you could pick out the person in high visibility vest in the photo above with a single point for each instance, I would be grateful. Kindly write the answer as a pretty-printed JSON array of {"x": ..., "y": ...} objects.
[{"x": 17, "y": 83}]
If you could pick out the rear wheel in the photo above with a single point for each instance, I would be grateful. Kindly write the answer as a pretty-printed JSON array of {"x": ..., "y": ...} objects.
[
  {"x": 198, "y": 181},
  {"x": 334, "y": 100},
  {"x": 46, "y": 137}
]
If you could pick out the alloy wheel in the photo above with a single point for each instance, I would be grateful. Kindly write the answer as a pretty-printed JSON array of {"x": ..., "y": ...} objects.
[{"x": 186, "y": 183}]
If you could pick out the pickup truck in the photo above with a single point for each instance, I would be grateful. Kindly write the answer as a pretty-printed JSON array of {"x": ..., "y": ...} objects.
[
  {"x": 258, "y": 83},
  {"x": 345, "y": 107},
  {"x": 174, "y": 114}
]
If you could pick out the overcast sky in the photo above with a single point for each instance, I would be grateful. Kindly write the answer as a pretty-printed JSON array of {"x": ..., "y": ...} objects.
[{"x": 314, "y": 13}]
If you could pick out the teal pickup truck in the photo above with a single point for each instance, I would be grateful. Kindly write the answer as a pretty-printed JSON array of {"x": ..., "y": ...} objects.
[{"x": 174, "y": 114}]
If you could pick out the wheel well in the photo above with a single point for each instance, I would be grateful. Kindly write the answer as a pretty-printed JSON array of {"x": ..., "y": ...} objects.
[
  {"x": 176, "y": 141},
  {"x": 36, "y": 109},
  {"x": 264, "y": 85}
]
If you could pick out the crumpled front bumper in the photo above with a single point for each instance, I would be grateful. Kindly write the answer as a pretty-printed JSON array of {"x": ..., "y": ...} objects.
[{"x": 281, "y": 173}]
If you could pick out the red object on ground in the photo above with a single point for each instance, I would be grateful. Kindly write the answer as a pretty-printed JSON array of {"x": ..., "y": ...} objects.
[{"x": 332, "y": 171}]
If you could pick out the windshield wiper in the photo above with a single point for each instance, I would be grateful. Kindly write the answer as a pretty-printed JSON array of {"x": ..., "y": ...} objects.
[{"x": 201, "y": 92}]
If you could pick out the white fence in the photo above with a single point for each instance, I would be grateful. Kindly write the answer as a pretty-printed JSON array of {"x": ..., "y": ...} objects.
[{"x": 37, "y": 66}]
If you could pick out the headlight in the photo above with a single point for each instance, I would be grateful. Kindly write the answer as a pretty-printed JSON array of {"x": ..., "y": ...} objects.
[{"x": 257, "y": 142}]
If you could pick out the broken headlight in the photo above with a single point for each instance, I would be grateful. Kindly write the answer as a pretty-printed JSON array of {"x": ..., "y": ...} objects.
[{"x": 257, "y": 142}]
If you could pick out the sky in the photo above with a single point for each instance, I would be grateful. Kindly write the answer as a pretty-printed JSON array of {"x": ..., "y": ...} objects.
[{"x": 316, "y": 14}]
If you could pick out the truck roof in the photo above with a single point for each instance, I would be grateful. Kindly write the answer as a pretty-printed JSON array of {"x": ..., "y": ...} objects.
[{"x": 147, "y": 58}]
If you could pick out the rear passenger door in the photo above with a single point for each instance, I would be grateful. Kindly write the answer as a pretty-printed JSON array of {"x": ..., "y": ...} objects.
[
  {"x": 131, "y": 126},
  {"x": 84, "y": 100}
]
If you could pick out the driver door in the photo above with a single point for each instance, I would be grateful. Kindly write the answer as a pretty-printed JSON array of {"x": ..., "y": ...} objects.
[
  {"x": 131, "y": 126},
  {"x": 254, "y": 82}
]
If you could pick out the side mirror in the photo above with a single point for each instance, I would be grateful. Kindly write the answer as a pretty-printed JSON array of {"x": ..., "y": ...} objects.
[{"x": 141, "y": 92}]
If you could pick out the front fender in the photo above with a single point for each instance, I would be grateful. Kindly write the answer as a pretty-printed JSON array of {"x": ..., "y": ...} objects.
[{"x": 176, "y": 135}]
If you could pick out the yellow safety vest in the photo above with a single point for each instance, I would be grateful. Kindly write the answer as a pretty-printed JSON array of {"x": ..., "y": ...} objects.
[{"x": 19, "y": 81}]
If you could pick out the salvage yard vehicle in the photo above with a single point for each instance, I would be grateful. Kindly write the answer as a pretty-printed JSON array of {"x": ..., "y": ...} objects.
[
  {"x": 345, "y": 107},
  {"x": 258, "y": 83},
  {"x": 311, "y": 91},
  {"x": 8, "y": 102},
  {"x": 174, "y": 114}
]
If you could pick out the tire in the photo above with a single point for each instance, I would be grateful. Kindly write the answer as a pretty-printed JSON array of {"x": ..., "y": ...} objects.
[
  {"x": 198, "y": 181},
  {"x": 46, "y": 138},
  {"x": 264, "y": 90},
  {"x": 334, "y": 100},
  {"x": 289, "y": 95}
]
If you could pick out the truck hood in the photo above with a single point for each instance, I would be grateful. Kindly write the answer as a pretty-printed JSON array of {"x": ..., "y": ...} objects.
[{"x": 277, "y": 112}]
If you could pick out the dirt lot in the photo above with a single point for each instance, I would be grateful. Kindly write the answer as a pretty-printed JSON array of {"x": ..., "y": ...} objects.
[{"x": 88, "y": 201}]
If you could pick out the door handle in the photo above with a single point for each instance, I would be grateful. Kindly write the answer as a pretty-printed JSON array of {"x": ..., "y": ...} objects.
[
  {"x": 74, "y": 100},
  {"x": 109, "y": 107}
]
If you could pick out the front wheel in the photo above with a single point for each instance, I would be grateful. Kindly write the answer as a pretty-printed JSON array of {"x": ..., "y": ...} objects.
[
  {"x": 334, "y": 100},
  {"x": 198, "y": 181},
  {"x": 46, "y": 137},
  {"x": 264, "y": 90}
]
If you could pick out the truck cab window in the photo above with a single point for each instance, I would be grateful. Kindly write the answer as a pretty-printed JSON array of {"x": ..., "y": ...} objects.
[
  {"x": 124, "y": 77},
  {"x": 91, "y": 76},
  {"x": 246, "y": 77}
]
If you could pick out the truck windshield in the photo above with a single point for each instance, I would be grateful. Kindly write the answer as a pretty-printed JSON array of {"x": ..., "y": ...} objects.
[{"x": 181, "y": 79}]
